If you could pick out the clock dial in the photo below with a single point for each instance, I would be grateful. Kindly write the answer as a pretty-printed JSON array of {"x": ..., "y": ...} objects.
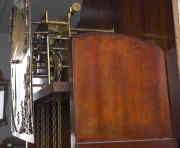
[{"x": 21, "y": 76}]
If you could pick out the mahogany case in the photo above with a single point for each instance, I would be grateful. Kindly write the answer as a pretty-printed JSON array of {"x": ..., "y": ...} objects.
[{"x": 118, "y": 93}]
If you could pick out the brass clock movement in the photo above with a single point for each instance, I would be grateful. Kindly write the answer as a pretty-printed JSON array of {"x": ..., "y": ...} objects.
[{"x": 38, "y": 58}]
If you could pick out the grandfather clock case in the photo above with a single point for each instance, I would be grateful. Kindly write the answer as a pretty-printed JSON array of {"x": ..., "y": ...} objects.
[{"x": 122, "y": 87}]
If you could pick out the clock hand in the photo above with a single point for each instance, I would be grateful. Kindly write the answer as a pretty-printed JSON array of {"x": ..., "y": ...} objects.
[{"x": 16, "y": 51}]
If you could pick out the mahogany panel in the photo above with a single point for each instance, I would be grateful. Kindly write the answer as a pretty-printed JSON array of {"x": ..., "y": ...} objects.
[
  {"x": 118, "y": 89},
  {"x": 144, "y": 144},
  {"x": 30, "y": 145},
  {"x": 150, "y": 20}
]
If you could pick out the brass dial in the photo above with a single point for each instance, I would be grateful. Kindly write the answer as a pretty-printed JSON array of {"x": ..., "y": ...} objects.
[
  {"x": 21, "y": 88},
  {"x": 19, "y": 30}
]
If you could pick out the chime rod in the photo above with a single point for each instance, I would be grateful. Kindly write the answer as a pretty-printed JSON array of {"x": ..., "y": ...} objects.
[
  {"x": 61, "y": 49},
  {"x": 55, "y": 22},
  {"x": 39, "y": 85},
  {"x": 59, "y": 38},
  {"x": 36, "y": 32},
  {"x": 51, "y": 22}
]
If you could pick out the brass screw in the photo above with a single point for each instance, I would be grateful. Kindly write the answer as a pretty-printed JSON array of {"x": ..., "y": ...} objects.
[{"x": 76, "y": 7}]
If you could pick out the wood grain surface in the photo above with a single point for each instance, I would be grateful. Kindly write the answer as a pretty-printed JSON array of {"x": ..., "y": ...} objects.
[
  {"x": 118, "y": 88},
  {"x": 168, "y": 143},
  {"x": 150, "y": 20}
]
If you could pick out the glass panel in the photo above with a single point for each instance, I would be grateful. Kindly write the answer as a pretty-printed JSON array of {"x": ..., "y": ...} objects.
[{"x": 1, "y": 104}]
